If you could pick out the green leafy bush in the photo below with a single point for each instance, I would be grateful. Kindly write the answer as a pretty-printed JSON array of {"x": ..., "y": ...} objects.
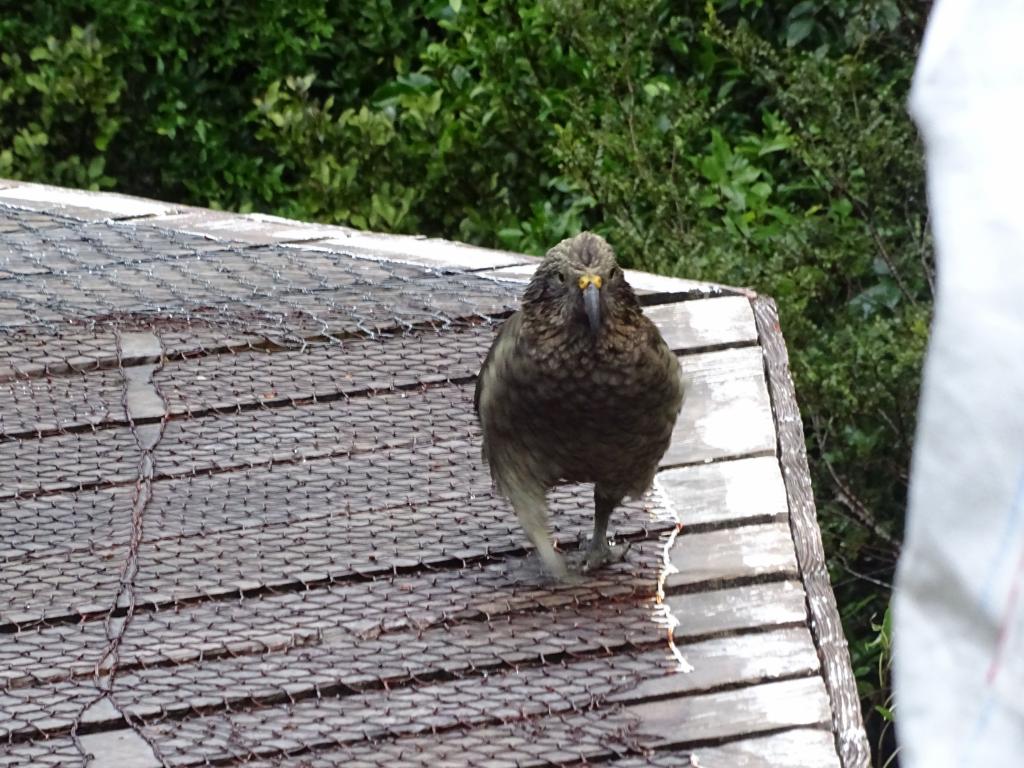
[{"x": 738, "y": 141}]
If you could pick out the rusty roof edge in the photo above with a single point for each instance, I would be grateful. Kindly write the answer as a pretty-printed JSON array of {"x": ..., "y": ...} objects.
[{"x": 265, "y": 229}]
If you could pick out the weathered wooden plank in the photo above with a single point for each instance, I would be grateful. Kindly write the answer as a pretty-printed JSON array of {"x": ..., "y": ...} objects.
[
  {"x": 78, "y": 350},
  {"x": 192, "y": 631},
  {"x": 796, "y": 748},
  {"x": 347, "y": 663},
  {"x": 444, "y": 254},
  {"x": 720, "y": 415},
  {"x": 725, "y": 492},
  {"x": 214, "y": 535},
  {"x": 514, "y": 644},
  {"x": 547, "y": 743},
  {"x": 208, "y": 630},
  {"x": 827, "y": 627},
  {"x": 300, "y": 524},
  {"x": 732, "y": 660},
  {"x": 236, "y": 441},
  {"x": 566, "y": 740},
  {"x": 644, "y": 283},
  {"x": 757, "y": 709},
  {"x": 119, "y": 749},
  {"x": 60, "y": 751},
  {"x": 253, "y": 228},
  {"x": 273, "y": 230},
  {"x": 28, "y": 407},
  {"x": 726, "y": 411},
  {"x": 723, "y": 386},
  {"x": 92, "y": 206},
  {"x": 248, "y": 379},
  {"x": 573, "y": 741},
  {"x": 273, "y": 292},
  {"x": 557, "y": 739},
  {"x": 291, "y": 433},
  {"x": 700, "y": 614},
  {"x": 691, "y": 325},
  {"x": 321, "y": 371},
  {"x": 732, "y": 553},
  {"x": 716, "y": 494},
  {"x": 552, "y": 690}
]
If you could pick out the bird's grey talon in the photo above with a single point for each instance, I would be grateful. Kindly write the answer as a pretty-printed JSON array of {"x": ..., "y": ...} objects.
[
  {"x": 569, "y": 579},
  {"x": 557, "y": 571},
  {"x": 601, "y": 555}
]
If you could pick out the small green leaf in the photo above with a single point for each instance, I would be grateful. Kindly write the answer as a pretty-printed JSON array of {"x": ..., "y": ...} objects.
[
  {"x": 460, "y": 75},
  {"x": 842, "y": 207},
  {"x": 803, "y": 8},
  {"x": 777, "y": 144},
  {"x": 37, "y": 82},
  {"x": 96, "y": 167},
  {"x": 711, "y": 169},
  {"x": 510, "y": 235},
  {"x": 417, "y": 81},
  {"x": 798, "y": 30}
]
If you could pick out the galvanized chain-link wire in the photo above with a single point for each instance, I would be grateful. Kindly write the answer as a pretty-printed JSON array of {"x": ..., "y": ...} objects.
[{"x": 243, "y": 518}]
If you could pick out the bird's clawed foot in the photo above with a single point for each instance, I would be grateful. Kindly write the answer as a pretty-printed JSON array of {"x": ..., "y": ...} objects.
[
  {"x": 601, "y": 553},
  {"x": 555, "y": 568}
]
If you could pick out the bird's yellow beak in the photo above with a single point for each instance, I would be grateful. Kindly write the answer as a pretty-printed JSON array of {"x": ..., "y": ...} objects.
[{"x": 590, "y": 285}]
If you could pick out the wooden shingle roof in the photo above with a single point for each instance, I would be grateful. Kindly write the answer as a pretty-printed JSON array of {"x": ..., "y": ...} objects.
[{"x": 244, "y": 520}]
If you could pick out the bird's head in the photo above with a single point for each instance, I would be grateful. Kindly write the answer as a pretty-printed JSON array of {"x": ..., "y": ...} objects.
[{"x": 580, "y": 283}]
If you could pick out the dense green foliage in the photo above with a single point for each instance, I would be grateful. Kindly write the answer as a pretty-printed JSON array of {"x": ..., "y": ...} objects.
[{"x": 736, "y": 141}]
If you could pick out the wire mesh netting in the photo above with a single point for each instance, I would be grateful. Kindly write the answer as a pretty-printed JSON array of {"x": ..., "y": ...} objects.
[{"x": 244, "y": 520}]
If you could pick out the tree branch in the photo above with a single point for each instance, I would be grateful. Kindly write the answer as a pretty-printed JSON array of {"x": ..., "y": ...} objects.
[{"x": 857, "y": 509}]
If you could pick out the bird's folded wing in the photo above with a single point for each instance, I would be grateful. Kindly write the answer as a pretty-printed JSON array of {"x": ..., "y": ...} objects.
[{"x": 503, "y": 345}]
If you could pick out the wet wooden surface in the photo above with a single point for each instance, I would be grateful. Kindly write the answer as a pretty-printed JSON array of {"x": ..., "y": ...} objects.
[{"x": 249, "y": 534}]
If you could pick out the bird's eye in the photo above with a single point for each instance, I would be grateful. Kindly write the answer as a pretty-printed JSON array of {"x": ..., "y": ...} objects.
[{"x": 560, "y": 276}]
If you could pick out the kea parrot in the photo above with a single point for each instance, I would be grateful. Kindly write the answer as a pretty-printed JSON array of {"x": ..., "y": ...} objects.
[{"x": 578, "y": 387}]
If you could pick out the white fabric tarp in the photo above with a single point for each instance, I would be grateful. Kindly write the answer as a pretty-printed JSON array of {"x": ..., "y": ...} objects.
[{"x": 959, "y": 602}]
